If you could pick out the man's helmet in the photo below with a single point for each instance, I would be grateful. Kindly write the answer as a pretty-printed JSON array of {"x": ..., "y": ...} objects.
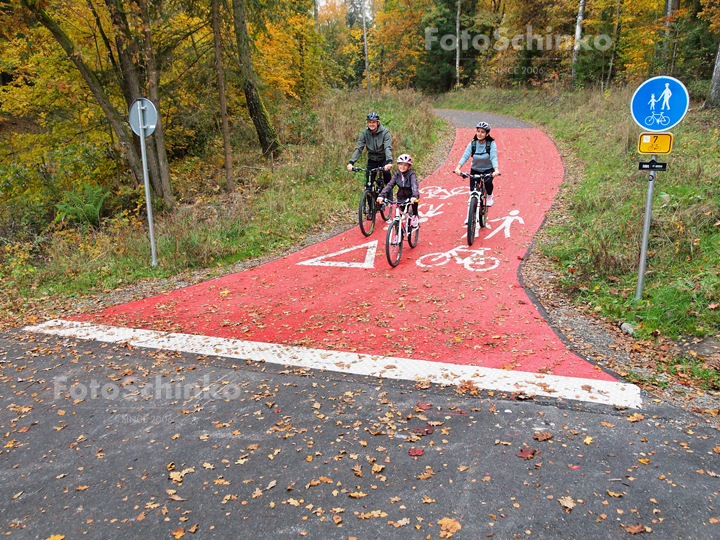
[
  {"x": 404, "y": 158},
  {"x": 484, "y": 125},
  {"x": 373, "y": 116}
]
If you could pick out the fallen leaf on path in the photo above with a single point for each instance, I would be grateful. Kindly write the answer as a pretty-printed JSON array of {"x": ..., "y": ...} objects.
[
  {"x": 449, "y": 527},
  {"x": 567, "y": 503},
  {"x": 544, "y": 436},
  {"x": 416, "y": 452},
  {"x": 637, "y": 417},
  {"x": 527, "y": 453},
  {"x": 178, "y": 533},
  {"x": 398, "y": 524}
]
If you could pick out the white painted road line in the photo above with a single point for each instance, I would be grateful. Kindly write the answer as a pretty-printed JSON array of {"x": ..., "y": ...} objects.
[{"x": 551, "y": 386}]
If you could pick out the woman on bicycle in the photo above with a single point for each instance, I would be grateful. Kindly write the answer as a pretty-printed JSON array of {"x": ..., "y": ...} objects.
[
  {"x": 407, "y": 184},
  {"x": 484, "y": 159},
  {"x": 376, "y": 138}
]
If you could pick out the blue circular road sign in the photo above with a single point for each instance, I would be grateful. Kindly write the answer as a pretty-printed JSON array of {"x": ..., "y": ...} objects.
[{"x": 660, "y": 103}]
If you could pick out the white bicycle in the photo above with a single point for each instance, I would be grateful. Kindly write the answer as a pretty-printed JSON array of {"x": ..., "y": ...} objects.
[{"x": 475, "y": 260}]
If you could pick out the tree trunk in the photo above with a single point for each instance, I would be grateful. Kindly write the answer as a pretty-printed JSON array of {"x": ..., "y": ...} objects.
[
  {"x": 316, "y": 16},
  {"x": 666, "y": 41},
  {"x": 713, "y": 99},
  {"x": 130, "y": 83},
  {"x": 365, "y": 45},
  {"x": 95, "y": 86},
  {"x": 457, "y": 46},
  {"x": 578, "y": 35},
  {"x": 616, "y": 36},
  {"x": 266, "y": 132},
  {"x": 153, "y": 79},
  {"x": 229, "y": 177}
]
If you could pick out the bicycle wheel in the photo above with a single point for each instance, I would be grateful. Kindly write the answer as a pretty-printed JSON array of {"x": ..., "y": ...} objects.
[
  {"x": 664, "y": 120},
  {"x": 649, "y": 120},
  {"x": 366, "y": 213},
  {"x": 471, "y": 220},
  {"x": 393, "y": 244},
  {"x": 413, "y": 235},
  {"x": 386, "y": 211}
]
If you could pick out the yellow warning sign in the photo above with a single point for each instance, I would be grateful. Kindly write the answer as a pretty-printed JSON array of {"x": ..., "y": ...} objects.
[{"x": 655, "y": 143}]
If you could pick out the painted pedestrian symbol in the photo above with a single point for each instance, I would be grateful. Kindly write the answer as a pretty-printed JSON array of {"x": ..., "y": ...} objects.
[
  {"x": 660, "y": 103},
  {"x": 507, "y": 221}
]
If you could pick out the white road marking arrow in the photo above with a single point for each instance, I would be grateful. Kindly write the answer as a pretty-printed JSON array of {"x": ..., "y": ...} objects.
[{"x": 369, "y": 262}]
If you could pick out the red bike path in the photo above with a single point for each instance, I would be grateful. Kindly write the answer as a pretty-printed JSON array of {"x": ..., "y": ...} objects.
[{"x": 341, "y": 295}]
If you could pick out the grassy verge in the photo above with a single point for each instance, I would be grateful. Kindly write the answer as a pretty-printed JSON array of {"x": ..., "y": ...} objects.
[
  {"x": 276, "y": 204},
  {"x": 596, "y": 248}
]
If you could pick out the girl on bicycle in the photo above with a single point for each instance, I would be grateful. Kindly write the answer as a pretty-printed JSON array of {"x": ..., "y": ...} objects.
[
  {"x": 407, "y": 184},
  {"x": 484, "y": 159}
]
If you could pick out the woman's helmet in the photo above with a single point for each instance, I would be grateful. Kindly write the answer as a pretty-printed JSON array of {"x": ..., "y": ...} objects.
[
  {"x": 404, "y": 158},
  {"x": 484, "y": 125},
  {"x": 373, "y": 116}
]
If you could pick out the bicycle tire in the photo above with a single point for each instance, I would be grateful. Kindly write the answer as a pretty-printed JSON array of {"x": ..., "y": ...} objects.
[
  {"x": 413, "y": 235},
  {"x": 483, "y": 214},
  {"x": 471, "y": 220},
  {"x": 386, "y": 211},
  {"x": 366, "y": 213},
  {"x": 393, "y": 244},
  {"x": 664, "y": 121},
  {"x": 649, "y": 120}
]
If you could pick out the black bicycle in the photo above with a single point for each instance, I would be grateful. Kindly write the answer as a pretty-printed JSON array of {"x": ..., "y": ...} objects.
[
  {"x": 477, "y": 205},
  {"x": 399, "y": 228},
  {"x": 367, "y": 209}
]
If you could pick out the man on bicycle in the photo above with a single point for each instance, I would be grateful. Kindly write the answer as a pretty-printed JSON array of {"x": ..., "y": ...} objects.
[
  {"x": 484, "y": 159},
  {"x": 376, "y": 138}
]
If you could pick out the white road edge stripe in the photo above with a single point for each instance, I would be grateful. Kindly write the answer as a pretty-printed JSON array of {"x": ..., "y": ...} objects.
[{"x": 551, "y": 386}]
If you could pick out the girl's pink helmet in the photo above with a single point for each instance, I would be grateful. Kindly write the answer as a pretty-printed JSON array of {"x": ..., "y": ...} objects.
[{"x": 404, "y": 158}]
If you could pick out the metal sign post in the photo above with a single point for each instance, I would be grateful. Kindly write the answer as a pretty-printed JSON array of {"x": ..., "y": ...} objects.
[
  {"x": 143, "y": 119},
  {"x": 657, "y": 105},
  {"x": 646, "y": 233}
]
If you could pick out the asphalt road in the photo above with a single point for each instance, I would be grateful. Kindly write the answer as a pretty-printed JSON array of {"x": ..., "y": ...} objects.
[{"x": 108, "y": 441}]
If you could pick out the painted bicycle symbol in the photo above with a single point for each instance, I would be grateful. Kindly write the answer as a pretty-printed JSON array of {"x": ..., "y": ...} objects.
[
  {"x": 436, "y": 192},
  {"x": 472, "y": 259},
  {"x": 661, "y": 119}
]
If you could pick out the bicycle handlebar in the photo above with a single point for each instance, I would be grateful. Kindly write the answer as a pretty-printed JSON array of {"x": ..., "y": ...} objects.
[
  {"x": 360, "y": 169},
  {"x": 483, "y": 175}
]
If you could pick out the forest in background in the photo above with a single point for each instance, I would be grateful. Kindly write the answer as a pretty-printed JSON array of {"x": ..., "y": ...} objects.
[{"x": 255, "y": 94}]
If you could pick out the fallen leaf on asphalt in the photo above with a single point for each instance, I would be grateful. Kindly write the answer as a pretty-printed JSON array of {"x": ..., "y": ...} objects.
[
  {"x": 357, "y": 495},
  {"x": 637, "y": 417},
  {"x": 57, "y": 537},
  {"x": 208, "y": 466},
  {"x": 498, "y": 441},
  {"x": 427, "y": 500},
  {"x": 401, "y": 523},
  {"x": 613, "y": 494},
  {"x": 372, "y": 514},
  {"x": 176, "y": 498},
  {"x": 337, "y": 519},
  {"x": 462, "y": 468},
  {"x": 716, "y": 449},
  {"x": 357, "y": 469},
  {"x": 194, "y": 528},
  {"x": 544, "y": 436},
  {"x": 636, "y": 529},
  {"x": 644, "y": 461},
  {"x": 416, "y": 452},
  {"x": 527, "y": 453},
  {"x": 588, "y": 440},
  {"x": 178, "y": 533},
  {"x": 427, "y": 474},
  {"x": 567, "y": 503},
  {"x": 81, "y": 488},
  {"x": 607, "y": 424},
  {"x": 449, "y": 527}
]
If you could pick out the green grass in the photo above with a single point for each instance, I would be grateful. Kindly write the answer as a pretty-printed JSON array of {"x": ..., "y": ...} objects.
[
  {"x": 597, "y": 245},
  {"x": 275, "y": 205}
]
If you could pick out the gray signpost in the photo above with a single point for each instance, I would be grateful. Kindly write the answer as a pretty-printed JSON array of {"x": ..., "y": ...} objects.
[
  {"x": 658, "y": 104},
  {"x": 143, "y": 119}
]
